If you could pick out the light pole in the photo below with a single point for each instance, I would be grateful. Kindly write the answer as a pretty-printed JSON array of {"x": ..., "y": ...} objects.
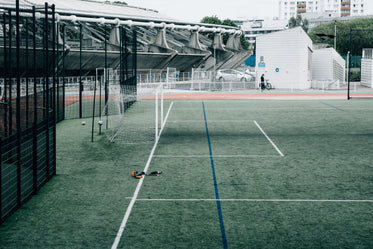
[{"x": 335, "y": 34}]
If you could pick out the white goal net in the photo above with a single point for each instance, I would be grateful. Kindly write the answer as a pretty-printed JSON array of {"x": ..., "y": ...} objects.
[{"x": 134, "y": 114}]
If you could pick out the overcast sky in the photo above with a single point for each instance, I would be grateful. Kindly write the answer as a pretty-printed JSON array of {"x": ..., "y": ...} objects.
[{"x": 195, "y": 10}]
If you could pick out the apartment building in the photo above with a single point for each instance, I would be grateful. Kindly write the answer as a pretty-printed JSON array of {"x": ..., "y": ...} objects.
[
  {"x": 256, "y": 27},
  {"x": 340, "y": 8}
]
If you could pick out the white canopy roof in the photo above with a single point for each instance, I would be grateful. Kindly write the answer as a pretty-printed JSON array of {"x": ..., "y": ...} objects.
[
  {"x": 100, "y": 11},
  {"x": 94, "y": 9}
]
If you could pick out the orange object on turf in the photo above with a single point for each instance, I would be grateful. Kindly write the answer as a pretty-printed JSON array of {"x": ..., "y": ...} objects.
[{"x": 136, "y": 174}]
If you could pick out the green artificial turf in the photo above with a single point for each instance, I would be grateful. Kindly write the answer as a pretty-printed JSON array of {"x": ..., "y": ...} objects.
[{"x": 299, "y": 200}]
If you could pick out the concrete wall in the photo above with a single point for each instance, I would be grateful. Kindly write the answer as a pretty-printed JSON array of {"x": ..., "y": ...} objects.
[{"x": 285, "y": 58}]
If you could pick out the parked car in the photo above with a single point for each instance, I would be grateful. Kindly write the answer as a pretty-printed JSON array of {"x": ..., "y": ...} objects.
[
  {"x": 250, "y": 70},
  {"x": 232, "y": 75}
]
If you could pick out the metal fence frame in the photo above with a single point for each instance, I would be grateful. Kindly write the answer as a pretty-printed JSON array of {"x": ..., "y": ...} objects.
[{"x": 28, "y": 114}]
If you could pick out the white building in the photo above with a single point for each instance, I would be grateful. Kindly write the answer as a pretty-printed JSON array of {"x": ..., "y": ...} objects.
[
  {"x": 293, "y": 8},
  {"x": 367, "y": 68},
  {"x": 285, "y": 58},
  {"x": 256, "y": 27},
  {"x": 328, "y": 69}
]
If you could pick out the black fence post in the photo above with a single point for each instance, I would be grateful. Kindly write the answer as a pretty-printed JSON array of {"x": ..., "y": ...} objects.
[
  {"x": 6, "y": 67},
  {"x": 27, "y": 76},
  {"x": 46, "y": 77},
  {"x": 10, "y": 102},
  {"x": 18, "y": 106},
  {"x": 349, "y": 66},
  {"x": 56, "y": 28},
  {"x": 54, "y": 70},
  {"x": 134, "y": 59},
  {"x": 63, "y": 69},
  {"x": 122, "y": 35},
  {"x": 80, "y": 72},
  {"x": 35, "y": 120},
  {"x": 1, "y": 178},
  {"x": 124, "y": 65},
  {"x": 106, "y": 81}
]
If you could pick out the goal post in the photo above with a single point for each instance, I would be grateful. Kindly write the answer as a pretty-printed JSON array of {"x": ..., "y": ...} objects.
[
  {"x": 101, "y": 81},
  {"x": 134, "y": 113},
  {"x": 158, "y": 105}
]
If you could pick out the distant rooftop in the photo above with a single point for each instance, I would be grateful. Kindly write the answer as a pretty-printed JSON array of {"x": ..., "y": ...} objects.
[{"x": 264, "y": 24}]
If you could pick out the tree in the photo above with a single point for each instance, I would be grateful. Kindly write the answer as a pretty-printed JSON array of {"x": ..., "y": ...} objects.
[
  {"x": 211, "y": 20},
  {"x": 305, "y": 25},
  {"x": 361, "y": 36},
  {"x": 298, "y": 21},
  {"x": 244, "y": 43},
  {"x": 226, "y": 22}
]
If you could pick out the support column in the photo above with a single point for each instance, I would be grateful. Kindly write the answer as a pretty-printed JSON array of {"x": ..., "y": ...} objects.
[
  {"x": 114, "y": 39},
  {"x": 218, "y": 42},
  {"x": 161, "y": 39},
  {"x": 234, "y": 42}
]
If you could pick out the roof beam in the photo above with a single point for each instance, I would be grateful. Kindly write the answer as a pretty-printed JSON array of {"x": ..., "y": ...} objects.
[{"x": 131, "y": 23}]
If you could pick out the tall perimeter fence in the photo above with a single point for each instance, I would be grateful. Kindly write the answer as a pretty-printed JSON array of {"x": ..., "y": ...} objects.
[
  {"x": 28, "y": 112},
  {"x": 35, "y": 94}
]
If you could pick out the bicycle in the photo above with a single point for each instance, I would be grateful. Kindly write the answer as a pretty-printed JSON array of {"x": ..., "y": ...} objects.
[{"x": 268, "y": 85}]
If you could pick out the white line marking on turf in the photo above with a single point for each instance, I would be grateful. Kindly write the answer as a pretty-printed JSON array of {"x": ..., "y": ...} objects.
[
  {"x": 133, "y": 199},
  {"x": 221, "y": 156},
  {"x": 254, "y": 200},
  {"x": 210, "y": 121},
  {"x": 273, "y": 144}
]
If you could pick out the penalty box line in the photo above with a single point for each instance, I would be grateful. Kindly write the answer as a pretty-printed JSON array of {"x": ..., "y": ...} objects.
[{"x": 134, "y": 198}]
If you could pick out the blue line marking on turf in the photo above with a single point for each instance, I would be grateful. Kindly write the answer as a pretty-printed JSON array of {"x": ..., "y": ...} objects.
[
  {"x": 224, "y": 238},
  {"x": 232, "y": 184},
  {"x": 332, "y": 106}
]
